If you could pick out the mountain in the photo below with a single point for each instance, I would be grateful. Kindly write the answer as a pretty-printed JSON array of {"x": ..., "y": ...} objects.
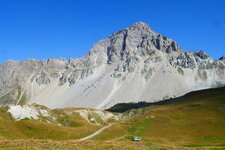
[{"x": 134, "y": 64}]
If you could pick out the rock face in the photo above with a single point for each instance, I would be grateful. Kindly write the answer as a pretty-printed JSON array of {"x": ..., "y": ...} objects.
[{"x": 131, "y": 65}]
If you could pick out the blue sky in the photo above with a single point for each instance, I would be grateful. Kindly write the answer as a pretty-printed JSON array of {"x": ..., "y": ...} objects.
[{"x": 69, "y": 28}]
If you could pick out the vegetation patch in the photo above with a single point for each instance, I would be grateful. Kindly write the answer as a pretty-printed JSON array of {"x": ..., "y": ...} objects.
[
  {"x": 193, "y": 121},
  {"x": 23, "y": 100},
  {"x": 180, "y": 70}
]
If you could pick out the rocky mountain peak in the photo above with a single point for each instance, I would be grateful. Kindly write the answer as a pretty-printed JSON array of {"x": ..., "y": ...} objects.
[
  {"x": 140, "y": 26},
  {"x": 222, "y": 58},
  {"x": 111, "y": 72},
  {"x": 138, "y": 40},
  {"x": 202, "y": 54}
]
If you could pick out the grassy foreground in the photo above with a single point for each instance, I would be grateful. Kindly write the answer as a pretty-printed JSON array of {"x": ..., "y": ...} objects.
[
  {"x": 63, "y": 127},
  {"x": 196, "y": 122}
]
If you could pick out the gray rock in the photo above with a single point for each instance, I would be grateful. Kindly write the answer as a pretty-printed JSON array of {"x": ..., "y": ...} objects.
[
  {"x": 41, "y": 78},
  {"x": 185, "y": 60},
  {"x": 222, "y": 59},
  {"x": 139, "y": 40},
  {"x": 147, "y": 71},
  {"x": 136, "y": 50},
  {"x": 202, "y": 55}
]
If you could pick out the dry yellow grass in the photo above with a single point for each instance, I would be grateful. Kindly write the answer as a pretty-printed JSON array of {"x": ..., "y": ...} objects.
[
  {"x": 76, "y": 128},
  {"x": 96, "y": 145},
  {"x": 75, "y": 145},
  {"x": 197, "y": 120},
  {"x": 195, "y": 123}
]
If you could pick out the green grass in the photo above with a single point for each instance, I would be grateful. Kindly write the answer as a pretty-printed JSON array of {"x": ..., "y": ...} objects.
[
  {"x": 203, "y": 145},
  {"x": 4, "y": 114},
  {"x": 21, "y": 97},
  {"x": 23, "y": 100},
  {"x": 8, "y": 98},
  {"x": 26, "y": 118},
  {"x": 75, "y": 145},
  {"x": 195, "y": 122},
  {"x": 71, "y": 126},
  {"x": 138, "y": 128},
  {"x": 180, "y": 71},
  {"x": 5, "y": 98},
  {"x": 115, "y": 131},
  {"x": 68, "y": 120}
]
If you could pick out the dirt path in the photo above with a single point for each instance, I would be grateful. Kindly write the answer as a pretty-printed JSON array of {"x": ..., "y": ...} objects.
[{"x": 96, "y": 133}]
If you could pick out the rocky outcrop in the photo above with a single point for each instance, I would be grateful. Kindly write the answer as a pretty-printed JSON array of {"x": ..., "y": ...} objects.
[
  {"x": 138, "y": 40},
  {"x": 222, "y": 59},
  {"x": 133, "y": 64}
]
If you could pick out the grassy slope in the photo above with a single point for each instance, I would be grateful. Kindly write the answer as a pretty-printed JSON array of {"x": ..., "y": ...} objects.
[
  {"x": 197, "y": 122},
  {"x": 199, "y": 119},
  {"x": 76, "y": 145},
  {"x": 76, "y": 127}
]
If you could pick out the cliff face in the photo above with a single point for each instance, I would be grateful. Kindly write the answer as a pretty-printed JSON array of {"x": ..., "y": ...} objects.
[{"x": 134, "y": 64}]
